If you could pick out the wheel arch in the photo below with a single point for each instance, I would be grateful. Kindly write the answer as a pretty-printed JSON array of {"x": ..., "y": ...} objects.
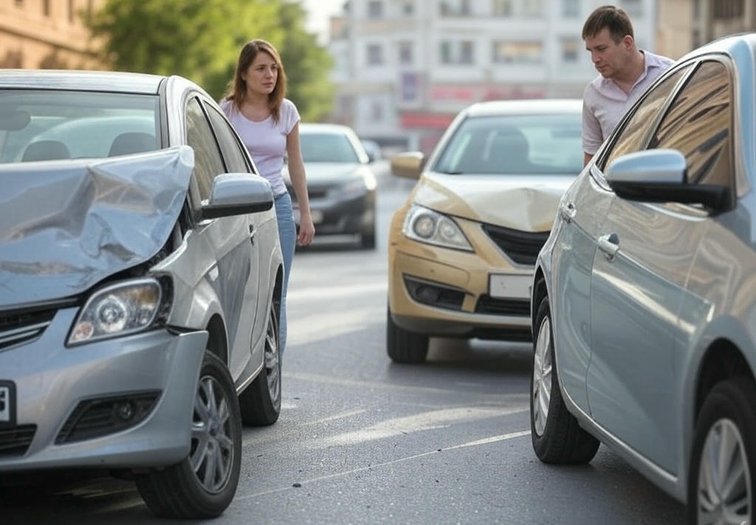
[{"x": 216, "y": 341}]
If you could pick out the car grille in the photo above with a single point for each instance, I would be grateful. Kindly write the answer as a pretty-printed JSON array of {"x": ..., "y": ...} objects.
[
  {"x": 18, "y": 328},
  {"x": 489, "y": 305},
  {"x": 522, "y": 247},
  {"x": 15, "y": 441}
]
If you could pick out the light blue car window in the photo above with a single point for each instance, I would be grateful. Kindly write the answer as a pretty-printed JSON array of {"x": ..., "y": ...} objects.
[
  {"x": 49, "y": 125},
  {"x": 208, "y": 162}
]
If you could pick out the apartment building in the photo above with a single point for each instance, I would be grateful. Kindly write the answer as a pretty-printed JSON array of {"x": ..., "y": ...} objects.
[
  {"x": 46, "y": 34},
  {"x": 404, "y": 68}
]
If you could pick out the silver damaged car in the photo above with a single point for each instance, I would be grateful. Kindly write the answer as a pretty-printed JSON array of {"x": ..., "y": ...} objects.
[{"x": 140, "y": 276}]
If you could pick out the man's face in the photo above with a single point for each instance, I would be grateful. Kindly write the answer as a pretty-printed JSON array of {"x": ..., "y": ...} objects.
[{"x": 608, "y": 57}]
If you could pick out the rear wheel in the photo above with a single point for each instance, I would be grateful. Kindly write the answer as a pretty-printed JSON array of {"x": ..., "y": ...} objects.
[
  {"x": 723, "y": 464},
  {"x": 404, "y": 346},
  {"x": 261, "y": 401},
  {"x": 203, "y": 484},
  {"x": 555, "y": 433},
  {"x": 367, "y": 241}
]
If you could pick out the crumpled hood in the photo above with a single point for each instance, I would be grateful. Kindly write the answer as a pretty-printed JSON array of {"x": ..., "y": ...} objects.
[
  {"x": 66, "y": 225},
  {"x": 517, "y": 202}
]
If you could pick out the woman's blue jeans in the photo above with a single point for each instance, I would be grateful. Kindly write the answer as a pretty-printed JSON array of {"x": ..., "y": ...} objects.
[{"x": 287, "y": 234}]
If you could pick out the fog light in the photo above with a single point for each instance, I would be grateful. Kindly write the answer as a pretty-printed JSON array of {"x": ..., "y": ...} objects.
[{"x": 124, "y": 410}]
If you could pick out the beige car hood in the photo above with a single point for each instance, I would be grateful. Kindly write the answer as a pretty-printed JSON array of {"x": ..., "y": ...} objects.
[{"x": 517, "y": 202}]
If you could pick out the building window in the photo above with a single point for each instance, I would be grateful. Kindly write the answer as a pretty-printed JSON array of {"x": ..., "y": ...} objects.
[
  {"x": 46, "y": 7},
  {"x": 455, "y": 8},
  {"x": 71, "y": 12},
  {"x": 571, "y": 8},
  {"x": 19, "y": 3},
  {"x": 376, "y": 111},
  {"x": 726, "y": 9},
  {"x": 517, "y": 52},
  {"x": 374, "y": 55},
  {"x": 502, "y": 7},
  {"x": 457, "y": 52},
  {"x": 375, "y": 9},
  {"x": 634, "y": 8},
  {"x": 408, "y": 7},
  {"x": 406, "y": 53},
  {"x": 532, "y": 8},
  {"x": 570, "y": 50}
]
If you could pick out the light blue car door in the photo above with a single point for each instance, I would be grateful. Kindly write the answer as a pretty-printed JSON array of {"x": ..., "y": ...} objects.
[{"x": 639, "y": 280}]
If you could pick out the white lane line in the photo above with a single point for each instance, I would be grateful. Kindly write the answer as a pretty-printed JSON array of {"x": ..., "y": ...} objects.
[{"x": 486, "y": 441}]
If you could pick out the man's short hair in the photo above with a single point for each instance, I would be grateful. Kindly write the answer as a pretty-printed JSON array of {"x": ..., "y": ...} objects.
[{"x": 608, "y": 17}]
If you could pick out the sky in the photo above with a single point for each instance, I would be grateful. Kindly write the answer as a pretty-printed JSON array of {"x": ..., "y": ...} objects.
[{"x": 318, "y": 14}]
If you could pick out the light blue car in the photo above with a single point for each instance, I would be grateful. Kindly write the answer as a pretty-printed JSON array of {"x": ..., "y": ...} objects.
[
  {"x": 644, "y": 296},
  {"x": 140, "y": 282}
]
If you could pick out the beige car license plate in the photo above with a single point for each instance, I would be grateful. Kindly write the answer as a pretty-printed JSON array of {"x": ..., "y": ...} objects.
[{"x": 509, "y": 286}]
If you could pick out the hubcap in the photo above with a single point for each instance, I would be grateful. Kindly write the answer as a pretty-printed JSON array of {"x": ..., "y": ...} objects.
[
  {"x": 542, "y": 377},
  {"x": 212, "y": 450},
  {"x": 725, "y": 488}
]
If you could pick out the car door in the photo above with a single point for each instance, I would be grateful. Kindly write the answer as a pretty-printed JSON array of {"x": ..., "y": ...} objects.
[
  {"x": 230, "y": 254},
  {"x": 640, "y": 274}
]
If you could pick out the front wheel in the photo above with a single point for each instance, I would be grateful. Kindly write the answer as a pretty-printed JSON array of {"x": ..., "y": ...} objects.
[
  {"x": 203, "y": 484},
  {"x": 555, "y": 433},
  {"x": 723, "y": 464},
  {"x": 404, "y": 346}
]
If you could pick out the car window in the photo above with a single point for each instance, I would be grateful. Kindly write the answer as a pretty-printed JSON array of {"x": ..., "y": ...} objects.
[
  {"x": 231, "y": 148},
  {"x": 699, "y": 125},
  {"x": 208, "y": 162},
  {"x": 633, "y": 135},
  {"x": 327, "y": 147},
  {"x": 517, "y": 144},
  {"x": 51, "y": 125}
]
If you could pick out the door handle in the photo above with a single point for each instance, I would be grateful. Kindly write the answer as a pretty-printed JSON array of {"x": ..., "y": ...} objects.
[
  {"x": 567, "y": 212},
  {"x": 609, "y": 244},
  {"x": 252, "y": 234}
]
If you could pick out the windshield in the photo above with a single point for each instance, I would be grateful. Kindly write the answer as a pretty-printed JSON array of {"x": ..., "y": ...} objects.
[
  {"x": 327, "y": 147},
  {"x": 51, "y": 125},
  {"x": 514, "y": 145}
]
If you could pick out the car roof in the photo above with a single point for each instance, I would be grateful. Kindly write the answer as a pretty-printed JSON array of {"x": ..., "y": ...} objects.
[
  {"x": 107, "y": 81},
  {"x": 313, "y": 127},
  {"x": 524, "y": 107}
]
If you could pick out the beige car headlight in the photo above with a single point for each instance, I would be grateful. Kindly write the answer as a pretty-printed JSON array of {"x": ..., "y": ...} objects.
[
  {"x": 428, "y": 226},
  {"x": 119, "y": 309}
]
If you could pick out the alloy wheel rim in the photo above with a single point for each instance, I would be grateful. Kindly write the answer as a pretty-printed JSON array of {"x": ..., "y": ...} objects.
[
  {"x": 542, "y": 370},
  {"x": 272, "y": 367},
  {"x": 725, "y": 487},
  {"x": 212, "y": 448}
]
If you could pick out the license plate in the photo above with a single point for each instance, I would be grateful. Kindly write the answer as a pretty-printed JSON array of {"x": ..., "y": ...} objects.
[
  {"x": 509, "y": 286},
  {"x": 7, "y": 403}
]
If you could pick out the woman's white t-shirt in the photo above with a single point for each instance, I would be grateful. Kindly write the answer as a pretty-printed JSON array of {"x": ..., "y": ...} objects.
[{"x": 266, "y": 140}]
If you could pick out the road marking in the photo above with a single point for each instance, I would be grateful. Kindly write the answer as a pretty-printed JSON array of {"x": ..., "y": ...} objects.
[{"x": 485, "y": 441}]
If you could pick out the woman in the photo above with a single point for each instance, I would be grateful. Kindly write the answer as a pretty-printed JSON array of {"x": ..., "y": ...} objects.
[{"x": 268, "y": 124}]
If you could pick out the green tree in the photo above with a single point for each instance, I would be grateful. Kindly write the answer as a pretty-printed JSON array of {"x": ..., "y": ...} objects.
[{"x": 201, "y": 39}]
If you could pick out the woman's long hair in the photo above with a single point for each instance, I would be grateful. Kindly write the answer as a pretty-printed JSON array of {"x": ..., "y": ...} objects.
[{"x": 237, "y": 88}]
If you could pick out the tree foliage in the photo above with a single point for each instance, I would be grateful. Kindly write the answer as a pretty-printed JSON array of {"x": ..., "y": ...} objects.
[{"x": 201, "y": 39}]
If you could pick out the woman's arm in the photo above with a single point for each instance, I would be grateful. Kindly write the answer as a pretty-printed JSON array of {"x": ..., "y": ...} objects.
[{"x": 299, "y": 183}]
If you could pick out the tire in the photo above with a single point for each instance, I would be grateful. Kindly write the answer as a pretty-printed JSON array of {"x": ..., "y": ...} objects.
[
  {"x": 722, "y": 474},
  {"x": 555, "y": 433},
  {"x": 191, "y": 490},
  {"x": 404, "y": 346},
  {"x": 260, "y": 402},
  {"x": 367, "y": 241}
]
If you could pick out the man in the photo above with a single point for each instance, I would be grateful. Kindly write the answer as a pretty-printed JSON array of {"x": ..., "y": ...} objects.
[{"x": 624, "y": 74}]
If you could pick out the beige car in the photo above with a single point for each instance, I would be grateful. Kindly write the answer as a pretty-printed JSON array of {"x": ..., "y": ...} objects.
[{"x": 463, "y": 245}]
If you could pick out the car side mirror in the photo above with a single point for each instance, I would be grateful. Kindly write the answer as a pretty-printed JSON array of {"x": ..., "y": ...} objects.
[
  {"x": 237, "y": 194},
  {"x": 408, "y": 165},
  {"x": 660, "y": 175}
]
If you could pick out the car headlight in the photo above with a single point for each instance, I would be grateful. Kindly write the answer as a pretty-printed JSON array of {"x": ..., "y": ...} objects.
[
  {"x": 120, "y": 309},
  {"x": 428, "y": 226}
]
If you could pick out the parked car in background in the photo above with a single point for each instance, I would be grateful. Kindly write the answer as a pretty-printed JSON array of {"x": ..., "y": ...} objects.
[
  {"x": 644, "y": 296},
  {"x": 462, "y": 247},
  {"x": 373, "y": 149},
  {"x": 141, "y": 276},
  {"x": 340, "y": 183}
]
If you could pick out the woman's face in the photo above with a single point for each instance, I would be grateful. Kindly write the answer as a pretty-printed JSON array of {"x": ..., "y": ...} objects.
[{"x": 261, "y": 75}]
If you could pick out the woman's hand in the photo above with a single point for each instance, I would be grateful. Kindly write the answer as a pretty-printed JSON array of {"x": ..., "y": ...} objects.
[{"x": 306, "y": 230}]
